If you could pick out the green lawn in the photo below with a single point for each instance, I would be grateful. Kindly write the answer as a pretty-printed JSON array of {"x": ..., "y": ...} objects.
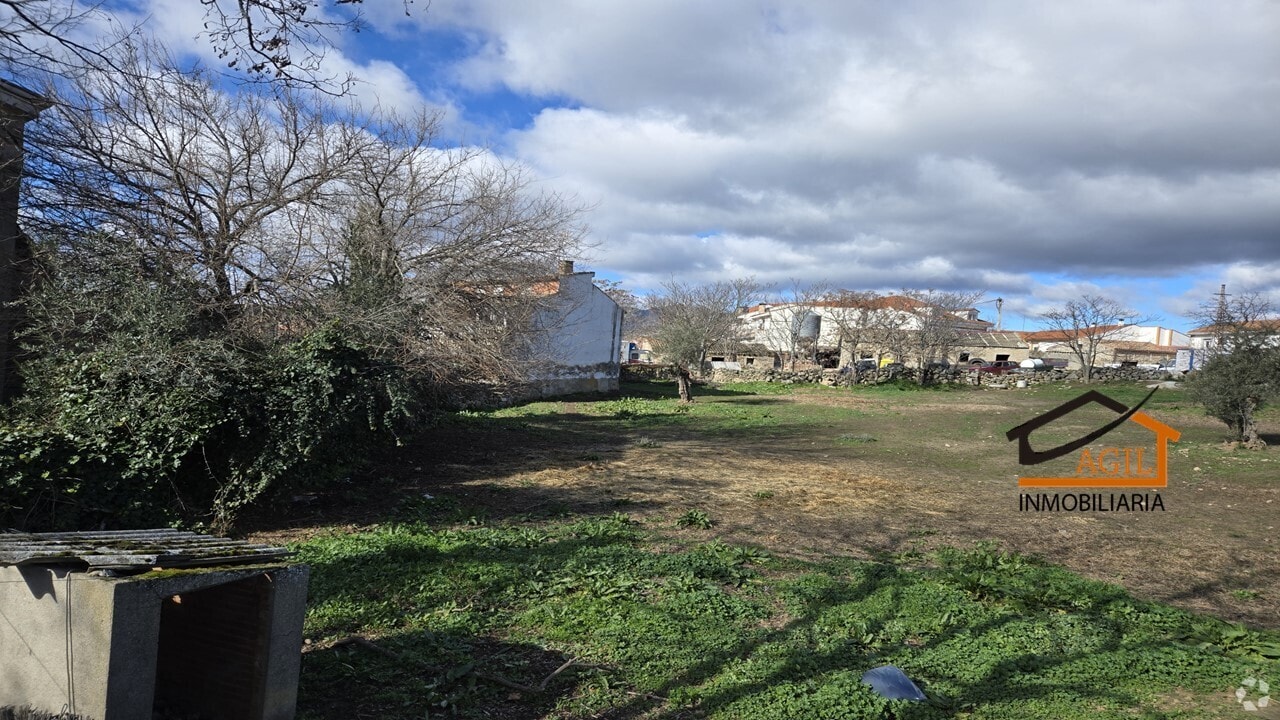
[
  {"x": 669, "y": 562},
  {"x": 709, "y": 629}
]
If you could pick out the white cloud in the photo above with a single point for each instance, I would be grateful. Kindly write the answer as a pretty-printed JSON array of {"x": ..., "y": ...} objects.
[
  {"x": 980, "y": 144},
  {"x": 180, "y": 25}
]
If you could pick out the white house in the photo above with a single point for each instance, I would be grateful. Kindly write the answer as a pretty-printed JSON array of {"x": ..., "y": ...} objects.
[
  {"x": 789, "y": 327},
  {"x": 1120, "y": 343},
  {"x": 1204, "y": 340},
  {"x": 575, "y": 336}
]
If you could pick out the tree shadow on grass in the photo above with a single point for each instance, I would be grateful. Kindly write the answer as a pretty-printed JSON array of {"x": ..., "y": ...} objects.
[
  {"x": 402, "y": 676},
  {"x": 811, "y": 668},
  {"x": 448, "y": 459},
  {"x": 976, "y": 630},
  {"x": 667, "y": 390},
  {"x": 392, "y": 638}
]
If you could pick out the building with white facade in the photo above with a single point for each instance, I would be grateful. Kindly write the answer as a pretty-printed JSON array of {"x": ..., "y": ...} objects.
[
  {"x": 576, "y": 333},
  {"x": 1206, "y": 340},
  {"x": 1119, "y": 344},
  {"x": 796, "y": 328}
]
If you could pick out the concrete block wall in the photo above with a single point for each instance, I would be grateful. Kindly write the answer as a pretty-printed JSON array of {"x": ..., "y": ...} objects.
[{"x": 109, "y": 648}]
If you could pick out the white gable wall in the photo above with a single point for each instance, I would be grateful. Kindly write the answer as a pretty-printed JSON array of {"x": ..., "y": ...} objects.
[{"x": 578, "y": 338}]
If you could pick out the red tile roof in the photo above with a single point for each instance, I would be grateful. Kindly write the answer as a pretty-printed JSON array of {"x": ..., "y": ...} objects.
[
  {"x": 1271, "y": 325},
  {"x": 1064, "y": 335}
]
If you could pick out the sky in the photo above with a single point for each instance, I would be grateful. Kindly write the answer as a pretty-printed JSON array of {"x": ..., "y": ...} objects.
[{"x": 1037, "y": 152}]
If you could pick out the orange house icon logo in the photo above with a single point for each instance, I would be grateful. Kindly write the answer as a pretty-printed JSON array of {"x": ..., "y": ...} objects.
[{"x": 1108, "y": 467}]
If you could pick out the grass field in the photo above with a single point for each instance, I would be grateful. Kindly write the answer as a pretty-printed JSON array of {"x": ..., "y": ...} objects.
[{"x": 749, "y": 556}]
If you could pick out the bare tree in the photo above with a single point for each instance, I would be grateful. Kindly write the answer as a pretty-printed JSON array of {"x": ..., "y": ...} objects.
[
  {"x": 289, "y": 214},
  {"x": 1243, "y": 371},
  {"x": 936, "y": 327},
  {"x": 1084, "y": 325},
  {"x": 207, "y": 181},
  {"x": 794, "y": 324},
  {"x": 689, "y": 320},
  {"x": 444, "y": 255},
  {"x": 38, "y": 37},
  {"x": 1239, "y": 321},
  {"x": 852, "y": 315},
  {"x": 891, "y": 326},
  {"x": 284, "y": 42}
]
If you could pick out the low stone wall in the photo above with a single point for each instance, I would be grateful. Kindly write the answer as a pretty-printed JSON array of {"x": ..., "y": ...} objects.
[
  {"x": 1060, "y": 376},
  {"x": 965, "y": 377},
  {"x": 872, "y": 377},
  {"x": 641, "y": 373}
]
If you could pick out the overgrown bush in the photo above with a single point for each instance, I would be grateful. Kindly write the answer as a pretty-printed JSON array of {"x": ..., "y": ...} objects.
[
  {"x": 142, "y": 409},
  {"x": 193, "y": 435}
]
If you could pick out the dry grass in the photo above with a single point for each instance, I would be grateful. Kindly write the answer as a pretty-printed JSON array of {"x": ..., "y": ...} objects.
[{"x": 799, "y": 475}]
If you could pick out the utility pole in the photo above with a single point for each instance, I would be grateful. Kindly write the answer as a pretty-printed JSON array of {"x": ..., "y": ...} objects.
[{"x": 1220, "y": 318}]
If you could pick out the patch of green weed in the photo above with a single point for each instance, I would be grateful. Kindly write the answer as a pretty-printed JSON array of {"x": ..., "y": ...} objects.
[
  {"x": 694, "y": 519},
  {"x": 724, "y": 631}
]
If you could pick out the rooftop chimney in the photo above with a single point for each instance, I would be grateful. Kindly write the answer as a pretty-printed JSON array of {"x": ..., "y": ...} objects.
[{"x": 566, "y": 267}]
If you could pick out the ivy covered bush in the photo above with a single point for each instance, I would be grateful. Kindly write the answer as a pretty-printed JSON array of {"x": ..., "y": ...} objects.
[
  {"x": 192, "y": 435},
  {"x": 142, "y": 408}
]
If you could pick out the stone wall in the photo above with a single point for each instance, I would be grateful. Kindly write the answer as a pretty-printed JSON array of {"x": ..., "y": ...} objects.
[
  {"x": 643, "y": 372},
  {"x": 967, "y": 377},
  {"x": 872, "y": 377}
]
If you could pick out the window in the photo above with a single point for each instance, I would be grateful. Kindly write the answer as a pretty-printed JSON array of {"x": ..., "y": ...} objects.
[{"x": 964, "y": 357}]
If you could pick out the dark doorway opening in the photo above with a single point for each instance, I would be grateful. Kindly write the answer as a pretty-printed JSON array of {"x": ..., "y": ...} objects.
[{"x": 212, "y": 656}]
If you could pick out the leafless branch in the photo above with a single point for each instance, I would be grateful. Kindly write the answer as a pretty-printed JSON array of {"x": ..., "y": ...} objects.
[{"x": 1084, "y": 325}]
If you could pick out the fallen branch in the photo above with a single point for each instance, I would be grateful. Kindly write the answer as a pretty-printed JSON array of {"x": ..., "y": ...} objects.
[{"x": 567, "y": 664}]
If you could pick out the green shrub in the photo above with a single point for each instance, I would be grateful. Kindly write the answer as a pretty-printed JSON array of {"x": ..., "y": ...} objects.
[
  {"x": 124, "y": 435},
  {"x": 148, "y": 403}
]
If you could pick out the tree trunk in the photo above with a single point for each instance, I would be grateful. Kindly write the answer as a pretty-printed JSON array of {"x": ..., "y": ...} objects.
[
  {"x": 1249, "y": 426},
  {"x": 682, "y": 384}
]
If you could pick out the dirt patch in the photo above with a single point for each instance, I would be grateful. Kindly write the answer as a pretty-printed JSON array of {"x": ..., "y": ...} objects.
[{"x": 934, "y": 470}]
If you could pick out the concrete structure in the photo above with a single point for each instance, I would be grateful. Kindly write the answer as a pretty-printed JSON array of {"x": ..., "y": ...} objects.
[
  {"x": 218, "y": 642},
  {"x": 989, "y": 347},
  {"x": 17, "y": 106},
  {"x": 1121, "y": 344},
  {"x": 576, "y": 335},
  {"x": 784, "y": 328}
]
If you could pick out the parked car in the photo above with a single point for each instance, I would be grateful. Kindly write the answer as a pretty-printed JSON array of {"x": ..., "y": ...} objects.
[{"x": 998, "y": 367}]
